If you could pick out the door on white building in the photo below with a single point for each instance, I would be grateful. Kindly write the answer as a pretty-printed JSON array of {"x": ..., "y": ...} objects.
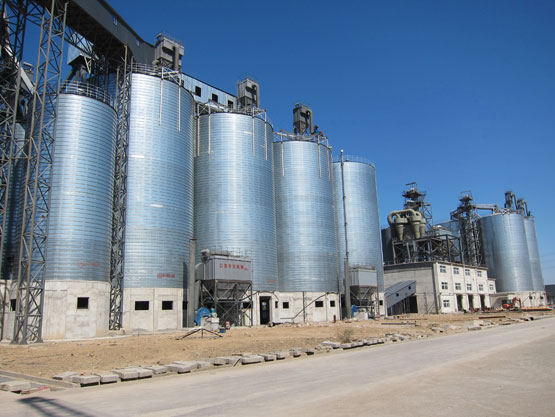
[
  {"x": 471, "y": 302},
  {"x": 460, "y": 302},
  {"x": 483, "y": 302}
]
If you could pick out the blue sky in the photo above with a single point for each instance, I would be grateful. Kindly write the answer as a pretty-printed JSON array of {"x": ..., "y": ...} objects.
[{"x": 455, "y": 95}]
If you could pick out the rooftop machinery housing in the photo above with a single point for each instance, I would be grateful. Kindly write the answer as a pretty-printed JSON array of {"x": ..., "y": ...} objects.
[{"x": 170, "y": 175}]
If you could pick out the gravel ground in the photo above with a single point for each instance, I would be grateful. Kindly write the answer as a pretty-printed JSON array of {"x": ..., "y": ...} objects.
[{"x": 50, "y": 358}]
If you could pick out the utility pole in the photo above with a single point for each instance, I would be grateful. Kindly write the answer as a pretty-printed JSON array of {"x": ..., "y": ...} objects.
[{"x": 346, "y": 264}]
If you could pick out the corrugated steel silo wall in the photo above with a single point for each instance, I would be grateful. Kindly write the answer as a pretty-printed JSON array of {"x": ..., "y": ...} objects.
[
  {"x": 534, "y": 253},
  {"x": 505, "y": 251},
  {"x": 159, "y": 220},
  {"x": 307, "y": 248},
  {"x": 234, "y": 191},
  {"x": 363, "y": 223},
  {"x": 80, "y": 219},
  {"x": 15, "y": 206}
]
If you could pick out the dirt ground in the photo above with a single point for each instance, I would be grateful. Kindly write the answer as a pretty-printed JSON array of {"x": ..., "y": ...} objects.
[{"x": 50, "y": 358}]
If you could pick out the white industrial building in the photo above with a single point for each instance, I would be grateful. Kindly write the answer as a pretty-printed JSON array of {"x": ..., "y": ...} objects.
[{"x": 440, "y": 287}]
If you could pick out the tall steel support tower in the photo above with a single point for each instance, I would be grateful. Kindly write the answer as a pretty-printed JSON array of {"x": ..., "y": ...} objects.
[
  {"x": 120, "y": 192},
  {"x": 12, "y": 30},
  {"x": 38, "y": 149},
  {"x": 466, "y": 216},
  {"x": 13, "y": 18},
  {"x": 415, "y": 200},
  {"x": 106, "y": 56}
]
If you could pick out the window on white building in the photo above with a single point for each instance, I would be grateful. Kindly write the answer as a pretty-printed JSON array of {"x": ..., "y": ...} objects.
[
  {"x": 491, "y": 287},
  {"x": 480, "y": 287},
  {"x": 456, "y": 270},
  {"x": 467, "y": 272},
  {"x": 442, "y": 269},
  {"x": 457, "y": 286},
  {"x": 444, "y": 286},
  {"x": 469, "y": 287},
  {"x": 446, "y": 303},
  {"x": 479, "y": 274}
]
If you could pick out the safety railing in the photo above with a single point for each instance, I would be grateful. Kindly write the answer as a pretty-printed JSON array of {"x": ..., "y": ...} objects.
[
  {"x": 87, "y": 90},
  {"x": 354, "y": 158},
  {"x": 316, "y": 137},
  {"x": 211, "y": 107},
  {"x": 157, "y": 71}
]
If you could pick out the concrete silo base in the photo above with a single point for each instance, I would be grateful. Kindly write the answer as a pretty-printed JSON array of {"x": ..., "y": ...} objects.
[
  {"x": 8, "y": 294},
  {"x": 294, "y": 307},
  {"x": 75, "y": 309},
  {"x": 152, "y": 309}
]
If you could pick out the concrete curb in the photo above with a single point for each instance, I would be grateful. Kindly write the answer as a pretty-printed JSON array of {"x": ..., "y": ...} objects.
[{"x": 38, "y": 379}]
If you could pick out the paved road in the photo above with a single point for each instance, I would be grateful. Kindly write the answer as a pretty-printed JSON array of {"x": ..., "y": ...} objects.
[{"x": 505, "y": 371}]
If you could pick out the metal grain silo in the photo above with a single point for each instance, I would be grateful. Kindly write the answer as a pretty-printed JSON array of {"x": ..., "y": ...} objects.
[
  {"x": 505, "y": 251},
  {"x": 159, "y": 213},
  {"x": 77, "y": 270},
  {"x": 534, "y": 254},
  {"x": 80, "y": 219},
  {"x": 307, "y": 248},
  {"x": 361, "y": 214},
  {"x": 234, "y": 189}
]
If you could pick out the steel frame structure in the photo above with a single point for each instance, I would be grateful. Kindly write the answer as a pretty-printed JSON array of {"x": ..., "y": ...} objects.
[
  {"x": 120, "y": 193},
  {"x": 415, "y": 200},
  {"x": 365, "y": 296},
  {"x": 426, "y": 249},
  {"x": 50, "y": 16},
  {"x": 467, "y": 216},
  {"x": 13, "y": 19},
  {"x": 227, "y": 297},
  {"x": 38, "y": 151},
  {"x": 470, "y": 236}
]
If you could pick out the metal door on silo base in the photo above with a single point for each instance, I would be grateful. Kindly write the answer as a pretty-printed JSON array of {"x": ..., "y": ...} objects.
[{"x": 265, "y": 310}]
